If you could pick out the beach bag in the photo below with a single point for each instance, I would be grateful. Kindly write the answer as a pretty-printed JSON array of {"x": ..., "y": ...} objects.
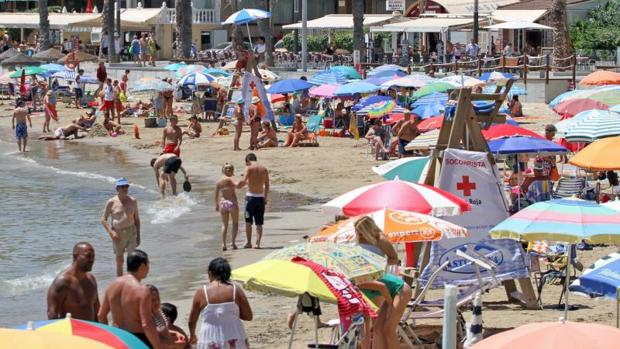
[{"x": 131, "y": 50}]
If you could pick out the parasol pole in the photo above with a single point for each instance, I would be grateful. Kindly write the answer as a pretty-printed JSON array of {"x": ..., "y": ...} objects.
[
  {"x": 290, "y": 340},
  {"x": 247, "y": 25},
  {"x": 618, "y": 307},
  {"x": 316, "y": 331},
  {"x": 569, "y": 255}
]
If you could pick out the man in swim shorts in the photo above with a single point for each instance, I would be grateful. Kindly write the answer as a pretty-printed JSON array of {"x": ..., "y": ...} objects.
[
  {"x": 171, "y": 164},
  {"x": 172, "y": 137},
  {"x": 124, "y": 229},
  {"x": 65, "y": 133},
  {"x": 20, "y": 115},
  {"x": 257, "y": 179}
]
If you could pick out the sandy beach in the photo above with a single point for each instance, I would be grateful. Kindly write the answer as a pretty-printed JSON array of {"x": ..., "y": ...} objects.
[{"x": 302, "y": 179}]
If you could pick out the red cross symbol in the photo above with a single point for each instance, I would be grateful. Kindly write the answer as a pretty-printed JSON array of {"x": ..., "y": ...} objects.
[{"x": 466, "y": 186}]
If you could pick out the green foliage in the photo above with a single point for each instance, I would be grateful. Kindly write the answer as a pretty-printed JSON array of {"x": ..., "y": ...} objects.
[
  {"x": 599, "y": 31},
  {"x": 316, "y": 43},
  {"x": 343, "y": 40}
]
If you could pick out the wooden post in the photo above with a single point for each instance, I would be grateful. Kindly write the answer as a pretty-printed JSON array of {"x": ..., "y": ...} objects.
[
  {"x": 547, "y": 69},
  {"x": 574, "y": 61},
  {"x": 525, "y": 62},
  {"x": 431, "y": 70},
  {"x": 456, "y": 66},
  {"x": 503, "y": 60},
  {"x": 479, "y": 65}
]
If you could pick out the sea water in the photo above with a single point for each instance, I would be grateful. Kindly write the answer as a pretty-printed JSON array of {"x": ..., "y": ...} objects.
[{"x": 54, "y": 195}]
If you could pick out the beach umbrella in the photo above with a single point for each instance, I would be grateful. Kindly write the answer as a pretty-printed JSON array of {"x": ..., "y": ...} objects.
[
  {"x": 598, "y": 155},
  {"x": 554, "y": 335},
  {"x": 514, "y": 90},
  {"x": 154, "y": 85},
  {"x": 379, "y": 80},
  {"x": 288, "y": 86},
  {"x": 112, "y": 337},
  {"x": 386, "y": 68},
  {"x": 87, "y": 79},
  {"x": 615, "y": 108},
  {"x": 429, "y": 124},
  {"x": 325, "y": 91},
  {"x": 433, "y": 98},
  {"x": 353, "y": 261},
  {"x": 20, "y": 59},
  {"x": 328, "y": 78},
  {"x": 216, "y": 72},
  {"x": 411, "y": 169},
  {"x": 433, "y": 87},
  {"x": 415, "y": 81},
  {"x": 397, "y": 226},
  {"x": 355, "y": 88},
  {"x": 463, "y": 81},
  {"x": 49, "y": 55},
  {"x": 65, "y": 74},
  {"x": 188, "y": 69},
  {"x": 27, "y": 71},
  {"x": 426, "y": 111},
  {"x": 572, "y": 107},
  {"x": 378, "y": 109},
  {"x": 397, "y": 113},
  {"x": 607, "y": 93},
  {"x": 349, "y": 72},
  {"x": 601, "y": 77},
  {"x": 524, "y": 145},
  {"x": 196, "y": 79},
  {"x": 496, "y": 76},
  {"x": 388, "y": 74},
  {"x": 45, "y": 340},
  {"x": 175, "y": 66},
  {"x": 506, "y": 130},
  {"x": 599, "y": 125},
  {"x": 53, "y": 67},
  {"x": 398, "y": 195},
  {"x": 246, "y": 16},
  {"x": 614, "y": 205},
  {"x": 424, "y": 141},
  {"x": 268, "y": 75},
  {"x": 366, "y": 101}
]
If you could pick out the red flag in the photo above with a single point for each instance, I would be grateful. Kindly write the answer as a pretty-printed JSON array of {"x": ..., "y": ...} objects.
[{"x": 89, "y": 7}]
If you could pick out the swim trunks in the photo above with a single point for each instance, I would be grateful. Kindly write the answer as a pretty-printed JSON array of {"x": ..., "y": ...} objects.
[
  {"x": 172, "y": 165},
  {"x": 107, "y": 105},
  {"x": 78, "y": 93},
  {"x": 170, "y": 149},
  {"x": 402, "y": 143},
  {"x": 127, "y": 240},
  {"x": 142, "y": 336},
  {"x": 21, "y": 130},
  {"x": 254, "y": 210},
  {"x": 59, "y": 133},
  {"x": 227, "y": 205}
]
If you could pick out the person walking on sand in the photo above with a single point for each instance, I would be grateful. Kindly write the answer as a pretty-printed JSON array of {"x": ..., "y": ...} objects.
[
  {"x": 171, "y": 165},
  {"x": 108, "y": 100},
  {"x": 20, "y": 115},
  {"x": 226, "y": 203},
  {"x": 131, "y": 302},
  {"x": 221, "y": 305},
  {"x": 125, "y": 227},
  {"x": 240, "y": 119},
  {"x": 74, "y": 290},
  {"x": 49, "y": 107},
  {"x": 257, "y": 179},
  {"x": 172, "y": 136},
  {"x": 102, "y": 76},
  {"x": 79, "y": 89}
]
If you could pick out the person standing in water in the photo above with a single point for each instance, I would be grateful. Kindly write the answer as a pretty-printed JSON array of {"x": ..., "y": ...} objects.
[
  {"x": 20, "y": 115},
  {"x": 125, "y": 227},
  {"x": 226, "y": 203},
  {"x": 171, "y": 165},
  {"x": 257, "y": 179}
]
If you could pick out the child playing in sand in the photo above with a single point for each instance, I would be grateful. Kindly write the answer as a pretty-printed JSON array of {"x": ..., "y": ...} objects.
[
  {"x": 226, "y": 203},
  {"x": 194, "y": 129}
]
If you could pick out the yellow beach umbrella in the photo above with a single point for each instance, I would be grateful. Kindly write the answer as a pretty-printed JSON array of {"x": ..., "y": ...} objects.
[
  {"x": 10, "y": 339},
  {"x": 599, "y": 155}
]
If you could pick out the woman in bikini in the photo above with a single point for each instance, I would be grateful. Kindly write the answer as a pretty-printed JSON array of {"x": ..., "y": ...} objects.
[
  {"x": 299, "y": 132},
  {"x": 226, "y": 203}
]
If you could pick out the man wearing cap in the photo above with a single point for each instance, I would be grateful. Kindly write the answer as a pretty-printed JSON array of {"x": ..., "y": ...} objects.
[
  {"x": 537, "y": 187},
  {"x": 124, "y": 229},
  {"x": 172, "y": 136},
  {"x": 239, "y": 124}
]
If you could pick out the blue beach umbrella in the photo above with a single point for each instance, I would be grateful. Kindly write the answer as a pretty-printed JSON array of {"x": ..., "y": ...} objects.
[
  {"x": 196, "y": 79},
  {"x": 288, "y": 86},
  {"x": 514, "y": 90},
  {"x": 601, "y": 279},
  {"x": 411, "y": 169},
  {"x": 615, "y": 108},
  {"x": 328, "y": 78},
  {"x": 383, "y": 73},
  {"x": 174, "y": 66},
  {"x": 376, "y": 80},
  {"x": 216, "y": 72},
  {"x": 434, "y": 98},
  {"x": 355, "y": 87},
  {"x": 349, "y": 72},
  {"x": 246, "y": 16},
  {"x": 386, "y": 67},
  {"x": 524, "y": 145},
  {"x": 53, "y": 67},
  {"x": 425, "y": 111}
]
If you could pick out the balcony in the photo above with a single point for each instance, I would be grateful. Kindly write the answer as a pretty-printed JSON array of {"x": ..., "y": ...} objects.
[{"x": 199, "y": 16}]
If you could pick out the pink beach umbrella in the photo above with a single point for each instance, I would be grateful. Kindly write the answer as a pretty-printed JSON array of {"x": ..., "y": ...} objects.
[{"x": 326, "y": 91}]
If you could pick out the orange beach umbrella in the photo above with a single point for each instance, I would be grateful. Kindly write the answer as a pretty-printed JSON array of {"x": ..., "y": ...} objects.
[
  {"x": 599, "y": 155},
  {"x": 601, "y": 77}
]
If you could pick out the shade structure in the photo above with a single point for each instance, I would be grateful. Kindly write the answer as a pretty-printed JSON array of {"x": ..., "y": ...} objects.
[
  {"x": 519, "y": 25},
  {"x": 433, "y": 98},
  {"x": 496, "y": 76},
  {"x": 151, "y": 85},
  {"x": 288, "y": 86},
  {"x": 615, "y": 108},
  {"x": 463, "y": 80},
  {"x": 174, "y": 66},
  {"x": 429, "y": 124},
  {"x": 568, "y": 220},
  {"x": 187, "y": 69},
  {"x": 415, "y": 80},
  {"x": 524, "y": 145},
  {"x": 246, "y": 16},
  {"x": 45, "y": 340},
  {"x": 366, "y": 101},
  {"x": 53, "y": 68},
  {"x": 598, "y": 155},
  {"x": 572, "y": 107},
  {"x": 49, "y": 55},
  {"x": 353, "y": 261},
  {"x": 378, "y": 109},
  {"x": 379, "y": 80},
  {"x": 81, "y": 56},
  {"x": 113, "y": 337},
  {"x": 397, "y": 226},
  {"x": 398, "y": 195},
  {"x": 433, "y": 87},
  {"x": 603, "y": 124},
  {"x": 353, "y": 88},
  {"x": 609, "y": 95},
  {"x": 411, "y": 169},
  {"x": 515, "y": 90},
  {"x": 27, "y": 71},
  {"x": 387, "y": 73},
  {"x": 328, "y": 78},
  {"x": 384, "y": 68},
  {"x": 614, "y": 205},
  {"x": 601, "y": 77},
  {"x": 426, "y": 111},
  {"x": 424, "y": 141},
  {"x": 347, "y": 71},
  {"x": 565, "y": 124},
  {"x": 20, "y": 59},
  {"x": 196, "y": 79},
  {"x": 325, "y": 91},
  {"x": 506, "y": 130},
  {"x": 216, "y": 72},
  {"x": 554, "y": 335},
  {"x": 601, "y": 279}
]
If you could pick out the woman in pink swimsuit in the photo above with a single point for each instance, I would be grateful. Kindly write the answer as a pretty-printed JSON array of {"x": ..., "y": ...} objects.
[{"x": 226, "y": 203}]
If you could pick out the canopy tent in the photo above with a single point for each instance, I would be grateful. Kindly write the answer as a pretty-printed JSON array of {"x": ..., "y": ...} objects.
[
  {"x": 58, "y": 21},
  {"x": 341, "y": 21},
  {"x": 424, "y": 25},
  {"x": 517, "y": 15},
  {"x": 131, "y": 18},
  {"x": 467, "y": 6},
  {"x": 519, "y": 25}
]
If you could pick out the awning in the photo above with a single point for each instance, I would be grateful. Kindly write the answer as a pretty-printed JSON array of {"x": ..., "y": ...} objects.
[
  {"x": 424, "y": 25},
  {"x": 340, "y": 21},
  {"x": 467, "y": 6},
  {"x": 142, "y": 18},
  {"x": 31, "y": 20},
  {"x": 519, "y": 25},
  {"x": 518, "y": 15}
]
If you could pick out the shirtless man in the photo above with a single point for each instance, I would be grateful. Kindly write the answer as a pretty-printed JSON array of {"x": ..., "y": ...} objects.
[
  {"x": 171, "y": 165},
  {"x": 172, "y": 137},
  {"x": 125, "y": 227},
  {"x": 257, "y": 179},
  {"x": 240, "y": 119},
  {"x": 226, "y": 203},
  {"x": 267, "y": 138},
  {"x": 65, "y": 133},
  {"x": 194, "y": 129},
  {"x": 255, "y": 122},
  {"x": 130, "y": 302},
  {"x": 20, "y": 115},
  {"x": 407, "y": 132},
  {"x": 74, "y": 291}
]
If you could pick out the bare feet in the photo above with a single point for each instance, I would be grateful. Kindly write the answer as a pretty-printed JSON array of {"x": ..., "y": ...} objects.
[
  {"x": 234, "y": 247},
  {"x": 224, "y": 248},
  {"x": 248, "y": 245}
]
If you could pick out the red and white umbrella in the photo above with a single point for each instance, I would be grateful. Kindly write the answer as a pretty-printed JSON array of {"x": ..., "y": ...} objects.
[{"x": 397, "y": 195}]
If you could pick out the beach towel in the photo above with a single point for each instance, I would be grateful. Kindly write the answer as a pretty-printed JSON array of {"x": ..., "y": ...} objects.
[
  {"x": 349, "y": 298},
  {"x": 50, "y": 109}
]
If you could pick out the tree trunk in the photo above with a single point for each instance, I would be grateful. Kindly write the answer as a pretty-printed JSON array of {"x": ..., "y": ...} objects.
[
  {"x": 561, "y": 44},
  {"x": 264, "y": 26},
  {"x": 110, "y": 24},
  {"x": 357, "y": 7},
  {"x": 184, "y": 27},
  {"x": 44, "y": 25}
]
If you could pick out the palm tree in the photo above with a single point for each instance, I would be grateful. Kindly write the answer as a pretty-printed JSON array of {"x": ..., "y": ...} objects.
[
  {"x": 561, "y": 45},
  {"x": 357, "y": 7},
  {"x": 184, "y": 27},
  {"x": 44, "y": 24},
  {"x": 107, "y": 16}
]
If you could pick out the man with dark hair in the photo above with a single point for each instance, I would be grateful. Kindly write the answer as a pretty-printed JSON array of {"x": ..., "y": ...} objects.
[
  {"x": 171, "y": 165},
  {"x": 257, "y": 179},
  {"x": 131, "y": 302},
  {"x": 74, "y": 291}
]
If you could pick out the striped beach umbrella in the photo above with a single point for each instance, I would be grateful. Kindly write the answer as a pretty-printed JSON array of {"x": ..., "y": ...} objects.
[
  {"x": 378, "y": 109},
  {"x": 594, "y": 281},
  {"x": 349, "y": 72},
  {"x": 328, "y": 78},
  {"x": 411, "y": 169},
  {"x": 609, "y": 95},
  {"x": 196, "y": 79},
  {"x": 246, "y": 16},
  {"x": 398, "y": 195},
  {"x": 615, "y": 108},
  {"x": 41, "y": 340},
  {"x": 566, "y": 124},
  {"x": 415, "y": 81},
  {"x": 463, "y": 80},
  {"x": 589, "y": 129},
  {"x": 379, "y": 80},
  {"x": 366, "y": 101},
  {"x": 325, "y": 91},
  {"x": 388, "y": 73},
  {"x": 424, "y": 141}
]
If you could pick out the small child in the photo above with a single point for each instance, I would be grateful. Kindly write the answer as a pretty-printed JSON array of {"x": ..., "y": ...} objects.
[
  {"x": 20, "y": 115},
  {"x": 227, "y": 204},
  {"x": 171, "y": 314}
]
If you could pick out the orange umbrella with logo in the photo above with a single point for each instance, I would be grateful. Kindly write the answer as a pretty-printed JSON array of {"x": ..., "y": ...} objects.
[
  {"x": 398, "y": 227},
  {"x": 601, "y": 77}
]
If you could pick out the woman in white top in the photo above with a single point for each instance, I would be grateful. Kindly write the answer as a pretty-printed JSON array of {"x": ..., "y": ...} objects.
[{"x": 221, "y": 305}]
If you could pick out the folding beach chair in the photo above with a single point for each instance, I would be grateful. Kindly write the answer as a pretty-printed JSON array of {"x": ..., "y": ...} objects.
[
  {"x": 313, "y": 125},
  {"x": 568, "y": 187},
  {"x": 555, "y": 273}
]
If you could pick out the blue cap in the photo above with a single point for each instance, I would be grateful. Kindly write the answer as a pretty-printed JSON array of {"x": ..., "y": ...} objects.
[{"x": 121, "y": 181}]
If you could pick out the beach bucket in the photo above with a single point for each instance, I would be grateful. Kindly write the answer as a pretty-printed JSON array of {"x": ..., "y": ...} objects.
[{"x": 161, "y": 122}]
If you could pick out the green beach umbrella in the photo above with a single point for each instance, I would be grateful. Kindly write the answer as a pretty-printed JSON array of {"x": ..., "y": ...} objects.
[
  {"x": 433, "y": 87},
  {"x": 28, "y": 70},
  {"x": 347, "y": 71}
]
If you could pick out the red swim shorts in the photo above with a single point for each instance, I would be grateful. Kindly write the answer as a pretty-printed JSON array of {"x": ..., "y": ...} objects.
[
  {"x": 169, "y": 149},
  {"x": 108, "y": 105}
]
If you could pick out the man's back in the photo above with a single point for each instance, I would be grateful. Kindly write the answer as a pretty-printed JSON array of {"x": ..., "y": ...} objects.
[
  {"x": 257, "y": 176},
  {"x": 124, "y": 296}
]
